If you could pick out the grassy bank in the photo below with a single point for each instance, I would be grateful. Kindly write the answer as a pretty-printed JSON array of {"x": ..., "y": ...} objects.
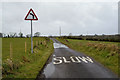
[
  {"x": 104, "y": 52},
  {"x": 19, "y": 62}
]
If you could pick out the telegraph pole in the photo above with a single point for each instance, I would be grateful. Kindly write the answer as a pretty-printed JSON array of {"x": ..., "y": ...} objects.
[{"x": 60, "y": 30}]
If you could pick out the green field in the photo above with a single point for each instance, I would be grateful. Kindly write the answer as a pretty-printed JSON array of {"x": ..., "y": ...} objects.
[
  {"x": 104, "y": 52},
  {"x": 17, "y": 59}
]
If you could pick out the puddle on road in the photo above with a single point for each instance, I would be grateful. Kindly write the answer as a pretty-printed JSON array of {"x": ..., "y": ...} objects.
[
  {"x": 49, "y": 69},
  {"x": 59, "y": 45}
]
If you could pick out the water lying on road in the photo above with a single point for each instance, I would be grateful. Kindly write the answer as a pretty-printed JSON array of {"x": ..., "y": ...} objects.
[
  {"x": 58, "y": 45},
  {"x": 48, "y": 71}
]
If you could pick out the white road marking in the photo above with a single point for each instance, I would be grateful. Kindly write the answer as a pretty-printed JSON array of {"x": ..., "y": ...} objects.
[
  {"x": 58, "y": 45},
  {"x": 89, "y": 59},
  {"x": 65, "y": 60},
  {"x": 57, "y": 60},
  {"x": 83, "y": 59},
  {"x": 74, "y": 59}
]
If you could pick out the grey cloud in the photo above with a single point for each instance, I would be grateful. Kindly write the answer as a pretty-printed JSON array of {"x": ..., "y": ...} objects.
[{"x": 76, "y": 18}]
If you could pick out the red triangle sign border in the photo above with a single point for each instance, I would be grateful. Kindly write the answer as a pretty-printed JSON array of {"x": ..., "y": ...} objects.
[{"x": 29, "y": 13}]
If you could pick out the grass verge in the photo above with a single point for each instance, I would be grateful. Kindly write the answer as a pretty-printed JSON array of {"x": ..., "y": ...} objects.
[
  {"x": 104, "y": 52},
  {"x": 19, "y": 62}
]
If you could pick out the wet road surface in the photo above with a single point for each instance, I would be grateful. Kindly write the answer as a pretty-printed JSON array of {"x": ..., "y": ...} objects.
[{"x": 67, "y": 63}]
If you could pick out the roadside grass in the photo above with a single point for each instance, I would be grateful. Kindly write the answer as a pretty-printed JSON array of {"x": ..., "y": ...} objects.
[
  {"x": 104, "y": 52},
  {"x": 23, "y": 64}
]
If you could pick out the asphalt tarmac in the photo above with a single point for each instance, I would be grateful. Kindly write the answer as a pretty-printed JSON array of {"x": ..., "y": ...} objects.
[{"x": 67, "y": 63}]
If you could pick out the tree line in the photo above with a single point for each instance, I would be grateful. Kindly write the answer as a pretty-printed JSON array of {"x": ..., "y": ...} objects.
[
  {"x": 20, "y": 34},
  {"x": 103, "y": 37},
  {"x": 111, "y": 38}
]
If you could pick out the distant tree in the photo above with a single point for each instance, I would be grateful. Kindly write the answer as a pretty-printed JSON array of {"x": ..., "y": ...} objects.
[
  {"x": 81, "y": 35},
  {"x": 8, "y": 36},
  {"x": 70, "y": 34},
  {"x": 103, "y": 34},
  {"x": 4, "y": 35},
  {"x": 1, "y": 35},
  {"x": 28, "y": 35},
  {"x": 12, "y": 34},
  {"x": 37, "y": 34},
  {"x": 95, "y": 35},
  {"x": 15, "y": 35},
  {"x": 20, "y": 34}
]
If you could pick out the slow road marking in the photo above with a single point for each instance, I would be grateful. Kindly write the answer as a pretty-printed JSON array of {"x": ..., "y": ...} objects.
[{"x": 72, "y": 59}]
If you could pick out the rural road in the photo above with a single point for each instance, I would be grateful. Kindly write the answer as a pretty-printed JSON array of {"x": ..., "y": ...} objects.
[{"x": 67, "y": 63}]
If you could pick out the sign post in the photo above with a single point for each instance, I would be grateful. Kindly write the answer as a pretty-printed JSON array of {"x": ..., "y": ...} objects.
[
  {"x": 31, "y": 16},
  {"x": 31, "y": 39}
]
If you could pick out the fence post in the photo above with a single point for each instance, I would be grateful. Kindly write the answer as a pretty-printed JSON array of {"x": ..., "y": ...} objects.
[
  {"x": 25, "y": 47},
  {"x": 36, "y": 43},
  {"x": 10, "y": 50}
]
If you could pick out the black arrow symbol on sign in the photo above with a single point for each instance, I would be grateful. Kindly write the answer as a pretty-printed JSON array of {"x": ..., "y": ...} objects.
[{"x": 32, "y": 15}]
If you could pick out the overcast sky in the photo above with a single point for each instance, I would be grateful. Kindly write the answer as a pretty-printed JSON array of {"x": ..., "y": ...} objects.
[{"x": 73, "y": 17}]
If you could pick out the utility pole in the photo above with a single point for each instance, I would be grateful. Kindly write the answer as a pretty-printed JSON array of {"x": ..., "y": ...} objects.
[{"x": 60, "y": 30}]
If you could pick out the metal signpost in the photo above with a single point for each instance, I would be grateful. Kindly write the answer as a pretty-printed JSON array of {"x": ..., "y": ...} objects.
[{"x": 31, "y": 16}]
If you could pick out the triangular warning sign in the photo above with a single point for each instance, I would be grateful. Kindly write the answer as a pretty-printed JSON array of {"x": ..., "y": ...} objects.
[{"x": 31, "y": 15}]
